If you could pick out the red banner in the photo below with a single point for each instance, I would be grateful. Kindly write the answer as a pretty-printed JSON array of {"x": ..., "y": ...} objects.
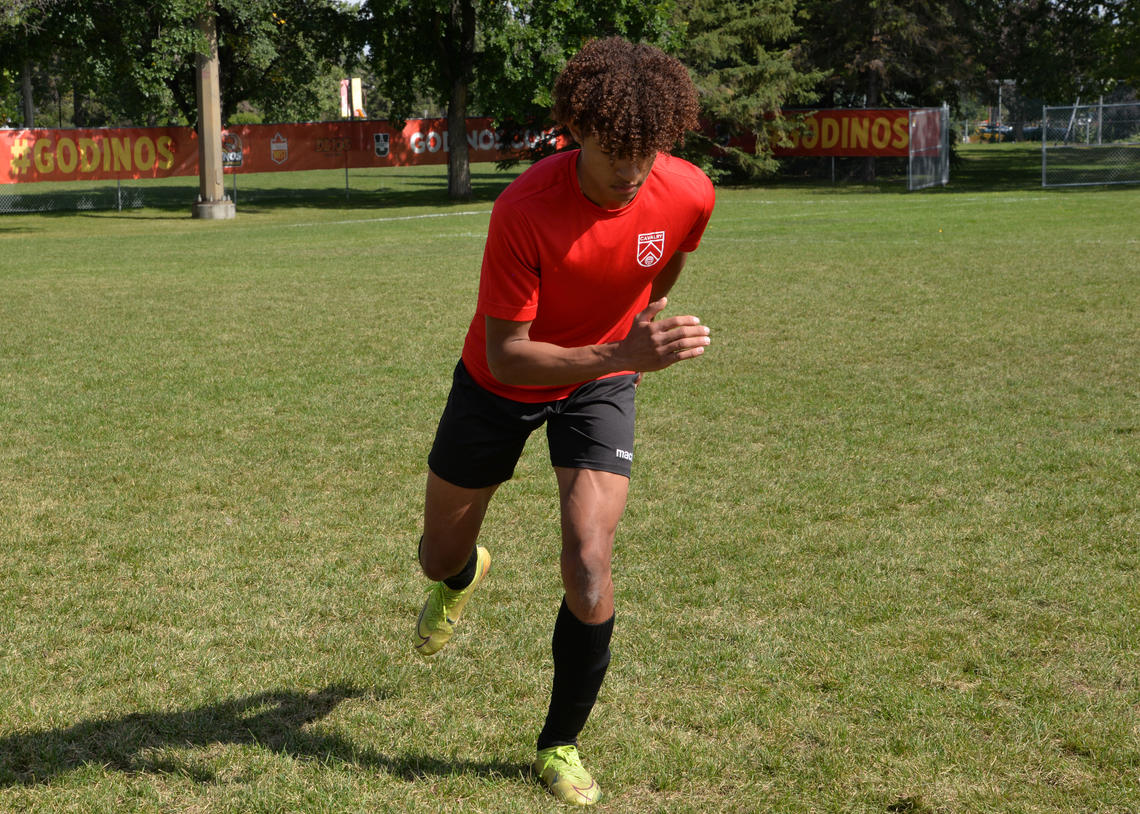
[
  {"x": 849, "y": 133},
  {"x": 68, "y": 155},
  {"x": 162, "y": 152}
]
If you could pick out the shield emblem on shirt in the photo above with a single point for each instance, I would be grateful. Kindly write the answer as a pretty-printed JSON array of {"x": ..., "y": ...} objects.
[{"x": 650, "y": 248}]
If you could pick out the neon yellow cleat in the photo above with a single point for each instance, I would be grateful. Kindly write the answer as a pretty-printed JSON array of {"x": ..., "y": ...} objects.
[
  {"x": 560, "y": 768},
  {"x": 444, "y": 607}
]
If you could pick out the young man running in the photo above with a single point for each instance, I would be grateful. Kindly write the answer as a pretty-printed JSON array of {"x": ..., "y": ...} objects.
[{"x": 581, "y": 251}]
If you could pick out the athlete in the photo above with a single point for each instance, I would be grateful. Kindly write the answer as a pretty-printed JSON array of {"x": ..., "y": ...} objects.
[{"x": 581, "y": 250}]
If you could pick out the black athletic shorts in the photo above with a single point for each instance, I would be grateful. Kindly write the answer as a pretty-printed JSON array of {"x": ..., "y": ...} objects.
[{"x": 481, "y": 435}]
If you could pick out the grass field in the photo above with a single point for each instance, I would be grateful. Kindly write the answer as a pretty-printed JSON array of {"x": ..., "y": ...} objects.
[{"x": 881, "y": 553}]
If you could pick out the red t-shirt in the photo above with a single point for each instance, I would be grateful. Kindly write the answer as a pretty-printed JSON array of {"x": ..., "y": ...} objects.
[{"x": 579, "y": 273}]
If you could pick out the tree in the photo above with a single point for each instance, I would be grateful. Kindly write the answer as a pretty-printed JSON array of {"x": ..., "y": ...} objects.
[
  {"x": 1046, "y": 51},
  {"x": 1121, "y": 38},
  {"x": 285, "y": 56},
  {"x": 889, "y": 52},
  {"x": 21, "y": 44},
  {"x": 1048, "y": 47},
  {"x": 497, "y": 56},
  {"x": 137, "y": 56},
  {"x": 533, "y": 45},
  {"x": 743, "y": 58},
  {"x": 1126, "y": 43},
  {"x": 428, "y": 47}
]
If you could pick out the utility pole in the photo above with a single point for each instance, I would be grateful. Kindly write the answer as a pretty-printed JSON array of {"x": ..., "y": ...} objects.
[{"x": 212, "y": 204}]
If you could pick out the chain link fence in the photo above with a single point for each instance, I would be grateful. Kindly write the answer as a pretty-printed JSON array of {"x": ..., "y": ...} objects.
[
  {"x": 363, "y": 187},
  {"x": 1083, "y": 145},
  {"x": 28, "y": 198},
  {"x": 316, "y": 187}
]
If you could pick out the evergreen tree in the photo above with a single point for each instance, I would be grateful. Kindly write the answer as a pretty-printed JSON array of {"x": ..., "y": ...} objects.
[
  {"x": 746, "y": 63},
  {"x": 889, "y": 52}
]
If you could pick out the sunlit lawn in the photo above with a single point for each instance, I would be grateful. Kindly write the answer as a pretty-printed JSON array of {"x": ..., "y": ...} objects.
[{"x": 880, "y": 554}]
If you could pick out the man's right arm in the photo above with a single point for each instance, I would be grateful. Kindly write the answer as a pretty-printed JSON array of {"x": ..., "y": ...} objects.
[{"x": 515, "y": 359}]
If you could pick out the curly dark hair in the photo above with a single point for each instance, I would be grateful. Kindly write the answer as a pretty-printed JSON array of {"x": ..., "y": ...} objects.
[{"x": 633, "y": 98}]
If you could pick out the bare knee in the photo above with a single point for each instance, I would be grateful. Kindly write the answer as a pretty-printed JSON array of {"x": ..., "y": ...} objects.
[
  {"x": 453, "y": 516},
  {"x": 440, "y": 562},
  {"x": 588, "y": 580}
]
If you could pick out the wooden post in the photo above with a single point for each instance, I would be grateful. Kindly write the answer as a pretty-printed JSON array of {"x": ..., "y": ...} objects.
[{"x": 212, "y": 202}]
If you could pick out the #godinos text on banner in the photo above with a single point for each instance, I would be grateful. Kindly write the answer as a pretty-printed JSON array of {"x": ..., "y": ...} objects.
[{"x": 161, "y": 152}]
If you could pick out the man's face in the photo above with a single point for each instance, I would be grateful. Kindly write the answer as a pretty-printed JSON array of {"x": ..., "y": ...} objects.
[{"x": 608, "y": 180}]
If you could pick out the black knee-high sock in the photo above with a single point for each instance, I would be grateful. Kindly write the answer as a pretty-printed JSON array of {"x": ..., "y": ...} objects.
[
  {"x": 581, "y": 656},
  {"x": 464, "y": 577}
]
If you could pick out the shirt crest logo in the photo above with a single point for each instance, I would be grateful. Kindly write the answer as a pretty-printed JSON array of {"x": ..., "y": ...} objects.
[{"x": 650, "y": 248}]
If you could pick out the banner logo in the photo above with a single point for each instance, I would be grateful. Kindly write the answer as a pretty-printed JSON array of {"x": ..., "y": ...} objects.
[
  {"x": 279, "y": 149},
  {"x": 650, "y": 248},
  {"x": 231, "y": 150},
  {"x": 380, "y": 144}
]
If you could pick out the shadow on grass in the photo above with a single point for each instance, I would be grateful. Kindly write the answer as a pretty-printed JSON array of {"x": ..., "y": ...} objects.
[
  {"x": 391, "y": 189},
  {"x": 16, "y": 229},
  {"x": 994, "y": 168},
  {"x": 276, "y": 721},
  {"x": 975, "y": 168}
]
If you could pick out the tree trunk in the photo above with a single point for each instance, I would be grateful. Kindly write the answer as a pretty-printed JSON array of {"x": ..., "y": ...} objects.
[
  {"x": 462, "y": 25},
  {"x": 874, "y": 97},
  {"x": 458, "y": 155},
  {"x": 29, "y": 104}
]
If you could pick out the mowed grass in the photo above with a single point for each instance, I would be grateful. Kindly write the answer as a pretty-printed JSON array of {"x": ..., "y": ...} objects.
[{"x": 881, "y": 552}]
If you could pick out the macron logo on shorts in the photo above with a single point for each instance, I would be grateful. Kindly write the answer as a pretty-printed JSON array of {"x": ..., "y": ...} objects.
[
  {"x": 650, "y": 248},
  {"x": 621, "y": 453}
]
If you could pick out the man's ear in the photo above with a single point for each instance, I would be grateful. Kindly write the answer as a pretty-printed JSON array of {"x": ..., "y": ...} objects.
[{"x": 575, "y": 133}]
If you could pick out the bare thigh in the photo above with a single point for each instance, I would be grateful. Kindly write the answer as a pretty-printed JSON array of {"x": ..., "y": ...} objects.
[{"x": 592, "y": 504}]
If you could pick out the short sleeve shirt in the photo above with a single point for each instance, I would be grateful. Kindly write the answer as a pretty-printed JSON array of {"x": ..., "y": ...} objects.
[{"x": 577, "y": 272}]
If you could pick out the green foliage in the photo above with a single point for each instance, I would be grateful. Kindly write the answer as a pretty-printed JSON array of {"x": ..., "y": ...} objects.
[
  {"x": 9, "y": 108},
  {"x": 22, "y": 39},
  {"x": 418, "y": 50},
  {"x": 499, "y": 58},
  {"x": 510, "y": 64},
  {"x": 100, "y": 62},
  {"x": 246, "y": 117},
  {"x": 743, "y": 59},
  {"x": 1122, "y": 41},
  {"x": 1053, "y": 51},
  {"x": 524, "y": 55},
  {"x": 285, "y": 57},
  {"x": 889, "y": 52},
  {"x": 22, "y": 15},
  {"x": 137, "y": 58}
]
